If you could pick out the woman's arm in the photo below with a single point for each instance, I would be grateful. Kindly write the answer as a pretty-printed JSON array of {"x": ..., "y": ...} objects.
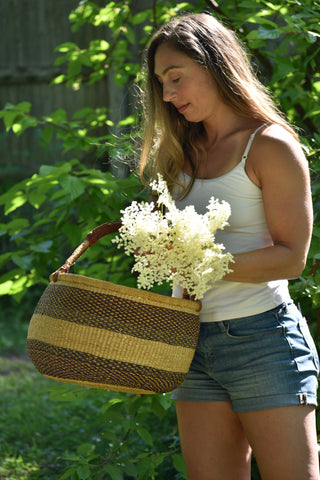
[{"x": 277, "y": 165}]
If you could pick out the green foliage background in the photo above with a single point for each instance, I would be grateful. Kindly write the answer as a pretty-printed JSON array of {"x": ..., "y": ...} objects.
[{"x": 44, "y": 217}]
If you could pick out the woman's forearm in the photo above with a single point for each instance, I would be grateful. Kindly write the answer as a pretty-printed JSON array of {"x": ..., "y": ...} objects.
[{"x": 266, "y": 264}]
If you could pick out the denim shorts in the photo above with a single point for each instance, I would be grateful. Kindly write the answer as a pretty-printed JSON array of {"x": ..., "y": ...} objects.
[{"x": 262, "y": 361}]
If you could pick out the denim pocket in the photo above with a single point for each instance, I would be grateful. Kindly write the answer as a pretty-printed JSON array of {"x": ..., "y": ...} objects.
[
  {"x": 298, "y": 336},
  {"x": 263, "y": 326}
]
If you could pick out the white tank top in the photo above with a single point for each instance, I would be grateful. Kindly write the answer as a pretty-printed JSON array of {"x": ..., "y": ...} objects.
[{"x": 247, "y": 231}]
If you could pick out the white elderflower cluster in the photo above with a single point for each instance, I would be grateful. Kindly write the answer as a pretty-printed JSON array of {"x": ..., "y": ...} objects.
[{"x": 178, "y": 246}]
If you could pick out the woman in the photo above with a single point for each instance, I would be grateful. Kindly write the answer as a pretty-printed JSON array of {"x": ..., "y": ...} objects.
[{"x": 212, "y": 130}]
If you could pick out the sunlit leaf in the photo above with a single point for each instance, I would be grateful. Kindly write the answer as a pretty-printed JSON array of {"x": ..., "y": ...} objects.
[
  {"x": 59, "y": 79},
  {"x": 15, "y": 202},
  {"x": 66, "y": 47}
]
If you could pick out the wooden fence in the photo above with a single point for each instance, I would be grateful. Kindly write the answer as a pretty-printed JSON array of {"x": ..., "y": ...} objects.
[{"x": 30, "y": 31}]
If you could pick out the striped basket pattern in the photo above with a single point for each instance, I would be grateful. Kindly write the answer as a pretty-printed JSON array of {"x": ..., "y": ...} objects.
[{"x": 95, "y": 333}]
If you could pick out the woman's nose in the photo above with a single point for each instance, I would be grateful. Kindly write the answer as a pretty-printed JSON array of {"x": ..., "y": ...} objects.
[{"x": 168, "y": 93}]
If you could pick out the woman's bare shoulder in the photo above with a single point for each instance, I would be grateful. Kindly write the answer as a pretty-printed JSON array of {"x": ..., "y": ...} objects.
[
  {"x": 275, "y": 151},
  {"x": 277, "y": 139}
]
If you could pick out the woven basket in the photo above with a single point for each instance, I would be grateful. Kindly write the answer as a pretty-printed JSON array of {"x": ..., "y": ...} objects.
[{"x": 95, "y": 333}]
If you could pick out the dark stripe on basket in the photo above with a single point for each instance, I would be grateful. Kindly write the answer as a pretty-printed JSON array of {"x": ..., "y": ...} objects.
[
  {"x": 117, "y": 314},
  {"x": 64, "y": 363}
]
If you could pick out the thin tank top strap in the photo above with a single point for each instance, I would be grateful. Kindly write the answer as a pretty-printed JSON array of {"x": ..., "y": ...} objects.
[{"x": 246, "y": 152}]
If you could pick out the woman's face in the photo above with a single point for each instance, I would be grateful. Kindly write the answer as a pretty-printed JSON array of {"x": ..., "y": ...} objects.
[{"x": 185, "y": 84}]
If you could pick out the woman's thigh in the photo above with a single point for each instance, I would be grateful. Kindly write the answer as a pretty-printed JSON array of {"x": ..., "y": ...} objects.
[
  {"x": 284, "y": 442},
  {"x": 213, "y": 442}
]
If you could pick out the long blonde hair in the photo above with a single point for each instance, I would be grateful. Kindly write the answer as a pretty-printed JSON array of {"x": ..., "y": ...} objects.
[{"x": 168, "y": 138}]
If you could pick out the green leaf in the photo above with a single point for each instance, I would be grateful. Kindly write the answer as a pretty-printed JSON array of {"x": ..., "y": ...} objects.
[
  {"x": 184, "y": 6},
  {"x": 268, "y": 33},
  {"x": 60, "y": 60},
  {"x": 105, "y": 14},
  {"x": 145, "y": 468},
  {"x": 83, "y": 112},
  {"x": 259, "y": 19},
  {"x": 24, "y": 262},
  {"x": 316, "y": 86},
  {"x": 46, "y": 170},
  {"x": 4, "y": 258},
  {"x": 283, "y": 68},
  {"x": 140, "y": 17},
  {"x": 73, "y": 186},
  {"x": 130, "y": 34},
  {"x": 97, "y": 57},
  {"x": 129, "y": 468},
  {"x": 23, "y": 124},
  {"x": 65, "y": 394},
  {"x": 85, "y": 449},
  {"x": 130, "y": 120},
  {"x": 54, "y": 172},
  {"x": 58, "y": 116},
  {"x": 165, "y": 400},
  {"x": 74, "y": 68},
  {"x": 115, "y": 472},
  {"x": 66, "y": 47},
  {"x": 69, "y": 473},
  {"x": 47, "y": 133},
  {"x": 316, "y": 231},
  {"x": 115, "y": 415},
  {"x": 24, "y": 107},
  {"x": 8, "y": 119},
  {"x": 179, "y": 465},
  {"x": 13, "y": 282},
  {"x": 101, "y": 45},
  {"x": 110, "y": 437},
  {"x": 83, "y": 472},
  {"x": 43, "y": 247},
  {"x": 13, "y": 200},
  {"x": 15, "y": 226},
  {"x": 145, "y": 435},
  {"x": 59, "y": 79}
]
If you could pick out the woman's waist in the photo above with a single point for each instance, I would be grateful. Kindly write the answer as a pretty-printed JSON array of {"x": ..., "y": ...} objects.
[{"x": 230, "y": 300}]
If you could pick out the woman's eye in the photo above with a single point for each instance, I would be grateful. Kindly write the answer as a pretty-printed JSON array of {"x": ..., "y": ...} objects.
[{"x": 176, "y": 80}]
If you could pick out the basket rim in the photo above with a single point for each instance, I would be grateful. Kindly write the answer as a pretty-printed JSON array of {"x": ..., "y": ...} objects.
[{"x": 135, "y": 294}]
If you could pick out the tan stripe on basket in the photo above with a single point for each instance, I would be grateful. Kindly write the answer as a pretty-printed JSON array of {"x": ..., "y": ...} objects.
[
  {"x": 113, "y": 345},
  {"x": 129, "y": 293}
]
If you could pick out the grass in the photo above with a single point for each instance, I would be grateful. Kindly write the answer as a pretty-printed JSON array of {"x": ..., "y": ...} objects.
[
  {"x": 47, "y": 427},
  {"x": 36, "y": 430}
]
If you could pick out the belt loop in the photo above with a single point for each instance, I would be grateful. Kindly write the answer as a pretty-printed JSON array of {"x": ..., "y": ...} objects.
[{"x": 303, "y": 398}]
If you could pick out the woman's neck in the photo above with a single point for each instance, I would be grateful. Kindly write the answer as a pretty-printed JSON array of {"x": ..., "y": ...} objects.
[{"x": 225, "y": 123}]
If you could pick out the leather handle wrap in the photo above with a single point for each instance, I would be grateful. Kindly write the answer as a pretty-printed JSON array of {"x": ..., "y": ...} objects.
[{"x": 92, "y": 237}]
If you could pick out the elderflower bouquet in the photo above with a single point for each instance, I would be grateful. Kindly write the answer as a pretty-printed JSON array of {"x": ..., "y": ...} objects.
[{"x": 176, "y": 247}]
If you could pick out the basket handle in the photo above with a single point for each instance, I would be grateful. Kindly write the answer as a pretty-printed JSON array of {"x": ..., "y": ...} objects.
[{"x": 92, "y": 237}]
